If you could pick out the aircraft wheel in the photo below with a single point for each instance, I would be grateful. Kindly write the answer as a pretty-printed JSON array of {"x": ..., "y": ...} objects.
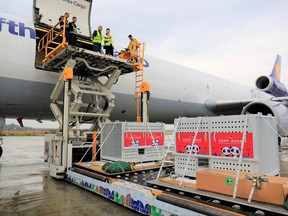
[{"x": 1, "y": 151}]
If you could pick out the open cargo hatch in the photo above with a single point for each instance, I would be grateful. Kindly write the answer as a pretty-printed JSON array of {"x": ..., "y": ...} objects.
[{"x": 46, "y": 15}]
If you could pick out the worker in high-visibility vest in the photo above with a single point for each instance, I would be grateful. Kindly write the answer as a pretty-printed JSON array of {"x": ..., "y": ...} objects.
[
  {"x": 97, "y": 39},
  {"x": 132, "y": 41},
  {"x": 108, "y": 43},
  {"x": 133, "y": 48},
  {"x": 73, "y": 32}
]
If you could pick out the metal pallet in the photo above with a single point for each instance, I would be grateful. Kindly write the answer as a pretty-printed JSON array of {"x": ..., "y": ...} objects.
[{"x": 219, "y": 200}]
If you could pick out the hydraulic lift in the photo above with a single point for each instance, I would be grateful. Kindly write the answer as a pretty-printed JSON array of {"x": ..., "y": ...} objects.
[
  {"x": 83, "y": 96},
  {"x": 78, "y": 83}
]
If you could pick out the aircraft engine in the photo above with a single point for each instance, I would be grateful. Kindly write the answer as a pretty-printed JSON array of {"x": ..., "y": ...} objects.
[
  {"x": 272, "y": 86},
  {"x": 277, "y": 109}
]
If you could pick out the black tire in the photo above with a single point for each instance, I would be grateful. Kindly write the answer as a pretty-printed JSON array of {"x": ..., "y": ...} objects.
[{"x": 1, "y": 151}]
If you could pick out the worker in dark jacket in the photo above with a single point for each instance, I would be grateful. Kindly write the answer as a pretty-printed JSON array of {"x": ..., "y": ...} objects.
[
  {"x": 97, "y": 39},
  {"x": 72, "y": 32},
  {"x": 66, "y": 25}
]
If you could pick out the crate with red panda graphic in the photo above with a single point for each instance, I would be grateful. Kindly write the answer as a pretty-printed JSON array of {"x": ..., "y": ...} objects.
[
  {"x": 133, "y": 141},
  {"x": 184, "y": 141},
  {"x": 228, "y": 144},
  {"x": 218, "y": 144}
]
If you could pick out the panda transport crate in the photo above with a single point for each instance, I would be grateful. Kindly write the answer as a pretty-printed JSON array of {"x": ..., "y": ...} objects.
[
  {"x": 218, "y": 143},
  {"x": 133, "y": 141}
]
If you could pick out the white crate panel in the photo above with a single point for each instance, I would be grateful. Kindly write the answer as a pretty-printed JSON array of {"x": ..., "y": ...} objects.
[
  {"x": 144, "y": 127},
  {"x": 192, "y": 124},
  {"x": 215, "y": 124},
  {"x": 130, "y": 154},
  {"x": 230, "y": 124},
  {"x": 154, "y": 153},
  {"x": 222, "y": 164},
  {"x": 150, "y": 154},
  {"x": 180, "y": 164}
]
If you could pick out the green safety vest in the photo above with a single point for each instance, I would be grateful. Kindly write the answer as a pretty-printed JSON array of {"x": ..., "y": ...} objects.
[
  {"x": 74, "y": 29},
  {"x": 98, "y": 38},
  {"x": 107, "y": 41}
]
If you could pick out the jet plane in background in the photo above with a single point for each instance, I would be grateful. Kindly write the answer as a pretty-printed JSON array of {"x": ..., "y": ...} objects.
[{"x": 176, "y": 90}]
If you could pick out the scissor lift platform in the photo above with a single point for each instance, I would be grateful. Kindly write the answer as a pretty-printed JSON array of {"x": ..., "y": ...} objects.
[{"x": 88, "y": 63}]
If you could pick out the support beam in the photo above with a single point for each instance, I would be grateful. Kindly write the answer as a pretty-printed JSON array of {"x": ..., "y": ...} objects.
[
  {"x": 84, "y": 95},
  {"x": 66, "y": 118}
]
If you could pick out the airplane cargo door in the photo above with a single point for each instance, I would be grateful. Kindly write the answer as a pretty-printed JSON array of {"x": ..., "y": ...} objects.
[{"x": 47, "y": 14}]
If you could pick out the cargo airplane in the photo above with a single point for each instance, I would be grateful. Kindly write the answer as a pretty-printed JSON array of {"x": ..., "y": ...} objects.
[{"x": 176, "y": 90}]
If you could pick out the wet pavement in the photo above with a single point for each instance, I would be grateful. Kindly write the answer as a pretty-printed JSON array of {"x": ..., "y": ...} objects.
[{"x": 27, "y": 189}]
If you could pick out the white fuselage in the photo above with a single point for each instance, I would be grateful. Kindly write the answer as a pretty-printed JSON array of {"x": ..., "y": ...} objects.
[{"x": 175, "y": 90}]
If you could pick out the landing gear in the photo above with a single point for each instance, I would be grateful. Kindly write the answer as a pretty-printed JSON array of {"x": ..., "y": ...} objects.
[
  {"x": 1, "y": 151},
  {"x": 2, "y": 123}
]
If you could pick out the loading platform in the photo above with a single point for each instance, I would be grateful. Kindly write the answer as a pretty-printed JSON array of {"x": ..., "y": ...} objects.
[
  {"x": 164, "y": 196},
  {"x": 88, "y": 63},
  {"x": 55, "y": 51}
]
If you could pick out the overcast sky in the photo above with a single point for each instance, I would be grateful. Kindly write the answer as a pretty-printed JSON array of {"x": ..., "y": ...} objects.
[{"x": 234, "y": 39}]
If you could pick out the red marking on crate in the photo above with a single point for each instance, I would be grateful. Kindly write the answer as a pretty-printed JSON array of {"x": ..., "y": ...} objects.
[
  {"x": 184, "y": 142},
  {"x": 158, "y": 138},
  {"x": 134, "y": 139},
  {"x": 229, "y": 145}
]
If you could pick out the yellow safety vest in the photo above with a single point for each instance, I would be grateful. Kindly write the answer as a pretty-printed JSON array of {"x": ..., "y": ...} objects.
[
  {"x": 74, "y": 30},
  {"x": 98, "y": 38},
  {"x": 107, "y": 40},
  {"x": 134, "y": 41}
]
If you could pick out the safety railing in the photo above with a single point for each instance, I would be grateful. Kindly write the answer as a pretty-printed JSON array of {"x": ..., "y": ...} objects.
[
  {"x": 136, "y": 51},
  {"x": 50, "y": 37}
]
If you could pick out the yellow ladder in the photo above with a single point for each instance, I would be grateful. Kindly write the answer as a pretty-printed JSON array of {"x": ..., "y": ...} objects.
[
  {"x": 137, "y": 56},
  {"x": 139, "y": 75}
]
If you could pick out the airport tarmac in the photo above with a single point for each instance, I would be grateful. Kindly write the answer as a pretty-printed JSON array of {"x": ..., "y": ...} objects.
[{"x": 27, "y": 189}]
